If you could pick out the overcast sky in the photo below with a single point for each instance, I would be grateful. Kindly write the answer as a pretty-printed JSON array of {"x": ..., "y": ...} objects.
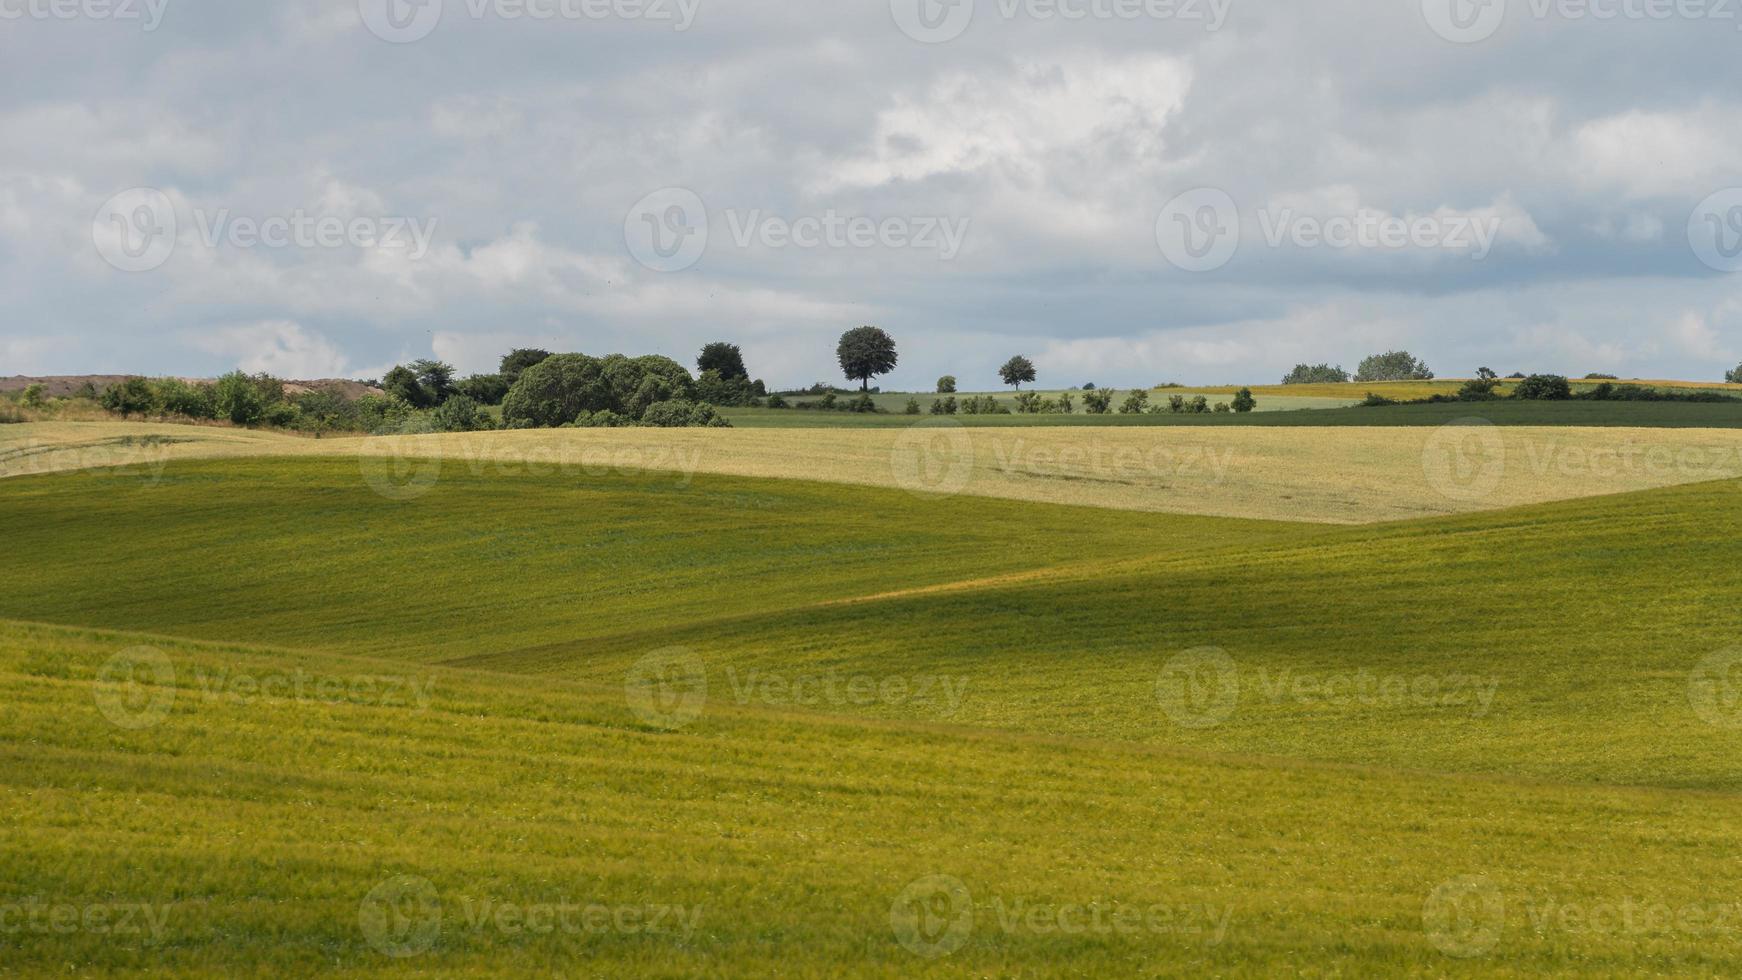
[{"x": 1138, "y": 194}]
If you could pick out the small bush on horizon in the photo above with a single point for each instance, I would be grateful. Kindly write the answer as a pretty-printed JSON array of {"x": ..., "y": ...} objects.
[{"x": 1543, "y": 387}]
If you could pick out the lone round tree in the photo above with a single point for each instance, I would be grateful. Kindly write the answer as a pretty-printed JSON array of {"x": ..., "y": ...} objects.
[
  {"x": 1017, "y": 370},
  {"x": 866, "y": 352},
  {"x": 725, "y": 358}
]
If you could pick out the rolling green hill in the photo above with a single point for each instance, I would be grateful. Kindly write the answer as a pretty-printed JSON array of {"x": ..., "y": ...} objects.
[{"x": 845, "y": 730}]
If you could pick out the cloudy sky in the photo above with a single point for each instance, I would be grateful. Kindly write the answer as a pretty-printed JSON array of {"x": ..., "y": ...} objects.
[{"x": 1128, "y": 191}]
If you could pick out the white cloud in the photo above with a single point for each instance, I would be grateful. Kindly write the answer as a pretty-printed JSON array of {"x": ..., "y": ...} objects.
[{"x": 278, "y": 347}]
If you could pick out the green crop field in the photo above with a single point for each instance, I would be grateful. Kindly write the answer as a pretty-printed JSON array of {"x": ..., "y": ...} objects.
[{"x": 264, "y": 716}]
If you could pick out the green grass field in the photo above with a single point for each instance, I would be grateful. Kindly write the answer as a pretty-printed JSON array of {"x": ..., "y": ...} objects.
[{"x": 625, "y": 724}]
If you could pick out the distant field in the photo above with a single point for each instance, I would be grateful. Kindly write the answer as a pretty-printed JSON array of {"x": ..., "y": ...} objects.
[
  {"x": 1319, "y": 474},
  {"x": 1274, "y": 400},
  {"x": 1536, "y": 413}
]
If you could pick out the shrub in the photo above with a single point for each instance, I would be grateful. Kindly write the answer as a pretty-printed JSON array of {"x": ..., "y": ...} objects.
[
  {"x": 1376, "y": 401},
  {"x": 947, "y": 385},
  {"x": 177, "y": 397},
  {"x": 1135, "y": 403},
  {"x": 1243, "y": 401},
  {"x": 863, "y": 405},
  {"x": 775, "y": 401},
  {"x": 1176, "y": 403},
  {"x": 34, "y": 396},
  {"x": 983, "y": 405},
  {"x": 912, "y": 407},
  {"x": 1479, "y": 389},
  {"x": 485, "y": 389},
  {"x": 606, "y": 419},
  {"x": 719, "y": 389},
  {"x": 281, "y": 415},
  {"x": 237, "y": 397},
  {"x": 680, "y": 413},
  {"x": 1028, "y": 402},
  {"x": 1543, "y": 387},
  {"x": 1198, "y": 405},
  {"x": 516, "y": 361},
  {"x": 1306, "y": 374},
  {"x": 1098, "y": 401},
  {"x": 945, "y": 406},
  {"x": 1734, "y": 377},
  {"x": 1222, "y": 408},
  {"x": 1394, "y": 365},
  {"x": 1601, "y": 377},
  {"x": 556, "y": 390},
  {"x": 131, "y": 397},
  {"x": 459, "y": 414},
  {"x": 1066, "y": 406}
]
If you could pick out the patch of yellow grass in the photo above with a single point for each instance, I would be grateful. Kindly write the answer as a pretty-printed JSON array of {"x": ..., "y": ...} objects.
[{"x": 1345, "y": 475}]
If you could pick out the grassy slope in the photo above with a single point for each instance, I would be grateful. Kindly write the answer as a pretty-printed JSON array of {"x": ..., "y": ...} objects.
[
  {"x": 582, "y": 580},
  {"x": 301, "y": 552},
  {"x": 257, "y": 826}
]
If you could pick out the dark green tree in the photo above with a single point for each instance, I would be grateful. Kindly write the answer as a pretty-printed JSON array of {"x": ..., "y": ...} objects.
[
  {"x": 1243, "y": 401},
  {"x": 403, "y": 383},
  {"x": 1307, "y": 374},
  {"x": 1397, "y": 365},
  {"x": 725, "y": 359},
  {"x": 131, "y": 397},
  {"x": 437, "y": 378},
  {"x": 518, "y": 360},
  {"x": 1017, "y": 370},
  {"x": 865, "y": 353}
]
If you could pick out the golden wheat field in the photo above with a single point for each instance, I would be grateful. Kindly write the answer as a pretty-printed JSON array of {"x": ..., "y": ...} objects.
[{"x": 1344, "y": 475}]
